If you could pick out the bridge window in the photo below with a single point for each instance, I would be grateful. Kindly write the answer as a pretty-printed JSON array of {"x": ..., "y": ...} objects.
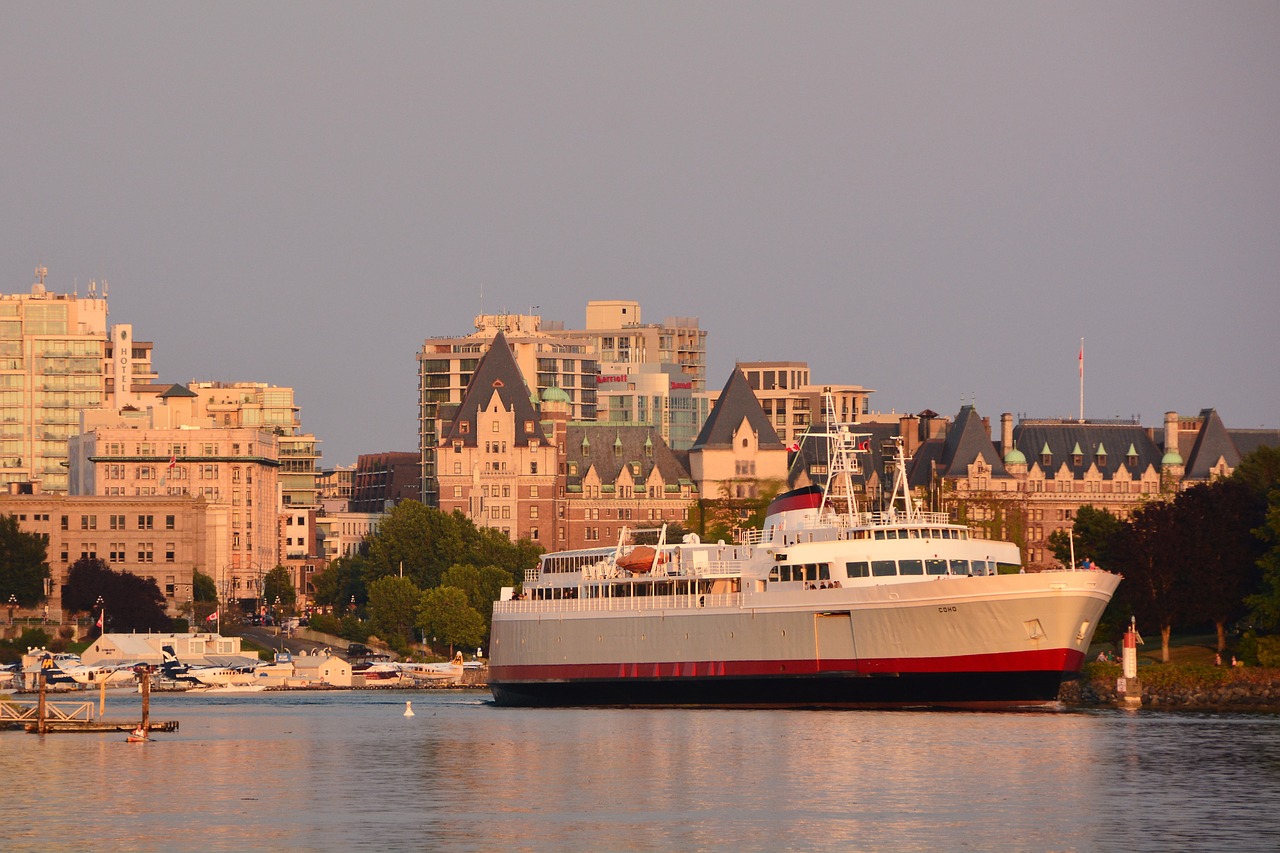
[
  {"x": 935, "y": 567},
  {"x": 910, "y": 567},
  {"x": 959, "y": 567},
  {"x": 860, "y": 569}
]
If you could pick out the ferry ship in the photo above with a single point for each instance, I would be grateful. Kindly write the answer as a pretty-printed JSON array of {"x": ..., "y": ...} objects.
[{"x": 827, "y": 605}]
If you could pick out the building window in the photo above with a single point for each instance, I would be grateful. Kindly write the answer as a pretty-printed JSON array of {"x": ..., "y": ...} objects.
[
  {"x": 88, "y": 522},
  {"x": 146, "y": 522},
  {"x": 533, "y": 511},
  {"x": 170, "y": 522},
  {"x": 170, "y": 552},
  {"x": 146, "y": 552}
]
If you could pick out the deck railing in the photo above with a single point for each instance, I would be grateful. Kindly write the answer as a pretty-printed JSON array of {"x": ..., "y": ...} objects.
[{"x": 619, "y": 604}]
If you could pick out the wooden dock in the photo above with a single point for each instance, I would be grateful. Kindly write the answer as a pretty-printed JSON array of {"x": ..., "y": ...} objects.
[
  {"x": 62, "y": 726},
  {"x": 45, "y": 717}
]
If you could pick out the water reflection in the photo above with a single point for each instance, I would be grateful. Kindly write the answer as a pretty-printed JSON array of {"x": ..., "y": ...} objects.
[{"x": 347, "y": 771}]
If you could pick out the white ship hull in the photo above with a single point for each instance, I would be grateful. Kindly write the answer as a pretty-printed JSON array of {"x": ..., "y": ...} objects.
[{"x": 962, "y": 641}]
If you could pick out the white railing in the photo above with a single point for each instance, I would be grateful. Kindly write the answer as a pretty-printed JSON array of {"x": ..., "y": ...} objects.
[{"x": 619, "y": 604}]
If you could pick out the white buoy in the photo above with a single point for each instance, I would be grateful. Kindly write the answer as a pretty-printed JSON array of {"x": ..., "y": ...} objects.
[{"x": 408, "y": 709}]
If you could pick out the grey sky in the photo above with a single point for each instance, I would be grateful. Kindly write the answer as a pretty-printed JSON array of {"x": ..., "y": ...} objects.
[{"x": 934, "y": 200}]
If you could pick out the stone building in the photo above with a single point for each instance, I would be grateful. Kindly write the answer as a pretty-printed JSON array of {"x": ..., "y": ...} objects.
[
  {"x": 1046, "y": 469},
  {"x": 174, "y": 449},
  {"x": 161, "y": 537},
  {"x": 517, "y": 463}
]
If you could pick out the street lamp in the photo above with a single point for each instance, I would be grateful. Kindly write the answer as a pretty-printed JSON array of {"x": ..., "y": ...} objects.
[
  {"x": 13, "y": 602},
  {"x": 353, "y": 605},
  {"x": 277, "y": 614},
  {"x": 102, "y": 617}
]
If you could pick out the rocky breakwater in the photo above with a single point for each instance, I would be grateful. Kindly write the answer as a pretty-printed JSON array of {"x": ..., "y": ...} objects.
[{"x": 1180, "y": 686}]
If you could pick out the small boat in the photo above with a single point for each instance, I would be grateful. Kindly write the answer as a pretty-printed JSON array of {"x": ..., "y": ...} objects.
[
  {"x": 138, "y": 735},
  {"x": 640, "y": 559}
]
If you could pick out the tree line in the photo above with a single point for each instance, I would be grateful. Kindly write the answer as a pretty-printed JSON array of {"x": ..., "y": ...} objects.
[
  {"x": 1210, "y": 557},
  {"x": 424, "y": 573}
]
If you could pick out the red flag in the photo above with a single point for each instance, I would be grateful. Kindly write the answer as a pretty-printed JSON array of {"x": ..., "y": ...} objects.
[
  {"x": 99, "y": 620},
  {"x": 1082, "y": 361},
  {"x": 212, "y": 616}
]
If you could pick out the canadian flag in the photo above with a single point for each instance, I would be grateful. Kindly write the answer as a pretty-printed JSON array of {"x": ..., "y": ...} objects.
[
  {"x": 865, "y": 444},
  {"x": 211, "y": 617},
  {"x": 173, "y": 460},
  {"x": 1082, "y": 361},
  {"x": 99, "y": 623},
  {"x": 793, "y": 447}
]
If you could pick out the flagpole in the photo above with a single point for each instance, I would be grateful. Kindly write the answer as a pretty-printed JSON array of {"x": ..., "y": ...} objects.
[{"x": 1082, "y": 380}]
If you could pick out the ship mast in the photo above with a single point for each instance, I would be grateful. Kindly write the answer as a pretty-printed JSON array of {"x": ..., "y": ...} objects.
[{"x": 843, "y": 447}]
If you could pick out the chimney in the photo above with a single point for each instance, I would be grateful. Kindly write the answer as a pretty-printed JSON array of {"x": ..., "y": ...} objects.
[{"x": 1006, "y": 433}]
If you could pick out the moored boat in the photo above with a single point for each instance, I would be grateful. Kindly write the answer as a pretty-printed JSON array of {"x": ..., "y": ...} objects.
[{"x": 826, "y": 605}]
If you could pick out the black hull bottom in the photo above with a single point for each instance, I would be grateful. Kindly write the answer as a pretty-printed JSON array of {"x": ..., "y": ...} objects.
[{"x": 983, "y": 690}]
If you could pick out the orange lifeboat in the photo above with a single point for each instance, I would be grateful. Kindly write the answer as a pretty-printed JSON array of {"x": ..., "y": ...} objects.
[{"x": 639, "y": 559}]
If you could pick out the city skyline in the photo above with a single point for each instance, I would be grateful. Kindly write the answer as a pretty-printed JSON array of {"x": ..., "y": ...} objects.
[{"x": 938, "y": 204}]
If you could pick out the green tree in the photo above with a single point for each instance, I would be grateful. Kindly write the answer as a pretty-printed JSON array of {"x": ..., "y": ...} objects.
[
  {"x": 203, "y": 587},
  {"x": 1259, "y": 471},
  {"x": 132, "y": 603},
  {"x": 1146, "y": 551},
  {"x": 1094, "y": 530},
  {"x": 422, "y": 543},
  {"x": 1215, "y": 523},
  {"x": 1264, "y": 606},
  {"x": 23, "y": 566},
  {"x": 446, "y": 617},
  {"x": 340, "y": 582},
  {"x": 417, "y": 541},
  {"x": 482, "y": 584},
  {"x": 277, "y": 584},
  {"x": 393, "y": 610}
]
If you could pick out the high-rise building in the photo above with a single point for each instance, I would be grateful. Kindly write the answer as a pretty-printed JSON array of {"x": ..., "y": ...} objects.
[
  {"x": 791, "y": 402},
  {"x": 58, "y": 357}
]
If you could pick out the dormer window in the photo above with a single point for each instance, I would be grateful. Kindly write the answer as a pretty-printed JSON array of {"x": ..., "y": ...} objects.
[
  {"x": 1046, "y": 457},
  {"x": 464, "y": 427}
]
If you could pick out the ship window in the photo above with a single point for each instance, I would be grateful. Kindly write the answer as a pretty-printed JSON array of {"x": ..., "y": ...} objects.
[
  {"x": 879, "y": 534},
  {"x": 910, "y": 567},
  {"x": 773, "y": 573},
  {"x": 915, "y": 534},
  {"x": 883, "y": 568},
  {"x": 824, "y": 571},
  {"x": 1007, "y": 568},
  {"x": 892, "y": 534},
  {"x": 935, "y": 567},
  {"x": 858, "y": 569},
  {"x": 979, "y": 567},
  {"x": 959, "y": 567}
]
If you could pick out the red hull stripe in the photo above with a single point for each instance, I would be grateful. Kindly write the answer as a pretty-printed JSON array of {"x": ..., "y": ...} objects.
[
  {"x": 806, "y": 498},
  {"x": 1045, "y": 660}
]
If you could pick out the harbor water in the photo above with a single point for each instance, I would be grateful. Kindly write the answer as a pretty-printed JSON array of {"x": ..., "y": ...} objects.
[{"x": 349, "y": 771}]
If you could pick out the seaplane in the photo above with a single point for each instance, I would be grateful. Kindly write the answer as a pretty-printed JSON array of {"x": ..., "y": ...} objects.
[{"x": 214, "y": 675}]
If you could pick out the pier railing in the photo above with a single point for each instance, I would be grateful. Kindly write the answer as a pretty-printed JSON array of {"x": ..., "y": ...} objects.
[{"x": 17, "y": 711}]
